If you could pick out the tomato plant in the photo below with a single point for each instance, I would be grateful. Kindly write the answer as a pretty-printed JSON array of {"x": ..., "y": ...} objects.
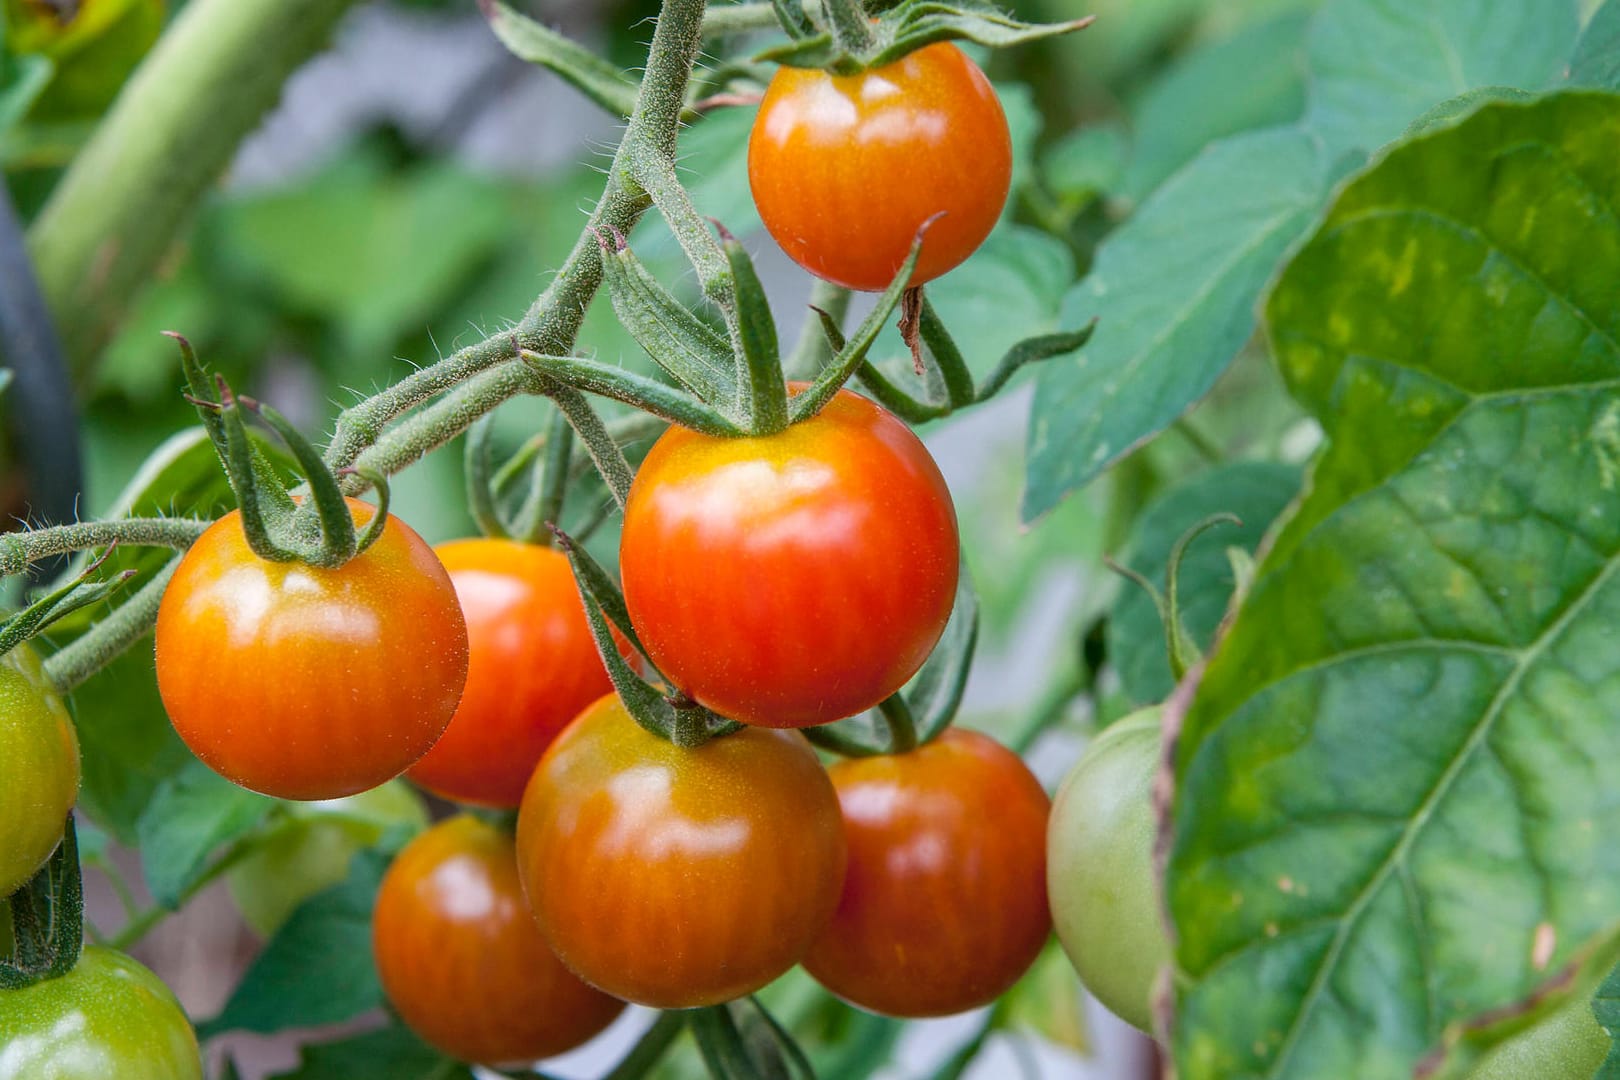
[
  {"x": 1568, "y": 1045},
  {"x": 107, "y": 1017},
  {"x": 531, "y": 668},
  {"x": 670, "y": 876},
  {"x": 462, "y": 960},
  {"x": 310, "y": 683},
  {"x": 845, "y": 168},
  {"x": 39, "y": 767},
  {"x": 944, "y": 902},
  {"x": 841, "y": 523},
  {"x": 1105, "y": 904}
]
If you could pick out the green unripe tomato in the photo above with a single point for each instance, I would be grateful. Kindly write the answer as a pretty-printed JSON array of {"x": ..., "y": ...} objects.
[
  {"x": 39, "y": 768},
  {"x": 311, "y": 850},
  {"x": 1099, "y": 876},
  {"x": 108, "y": 1017},
  {"x": 1568, "y": 1045}
]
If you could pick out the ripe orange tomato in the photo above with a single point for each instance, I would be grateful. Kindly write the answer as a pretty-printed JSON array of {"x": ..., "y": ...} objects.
[
  {"x": 462, "y": 960},
  {"x": 532, "y": 666},
  {"x": 677, "y": 877},
  {"x": 845, "y": 168},
  {"x": 791, "y": 579},
  {"x": 944, "y": 902},
  {"x": 310, "y": 683}
]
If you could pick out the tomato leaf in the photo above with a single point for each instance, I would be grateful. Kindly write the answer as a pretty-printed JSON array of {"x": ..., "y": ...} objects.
[
  {"x": 191, "y": 815},
  {"x": 1597, "y": 55},
  {"x": 1173, "y": 290},
  {"x": 1256, "y": 492},
  {"x": 1375, "y": 64},
  {"x": 1252, "y": 79},
  {"x": 1394, "y": 783},
  {"x": 319, "y": 968},
  {"x": 393, "y": 1052},
  {"x": 1606, "y": 1007},
  {"x": 612, "y": 89}
]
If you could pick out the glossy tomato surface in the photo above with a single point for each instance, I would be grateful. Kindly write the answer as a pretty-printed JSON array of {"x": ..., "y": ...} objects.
[
  {"x": 1100, "y": 858},
  {"x": 679, "y": 877},
  {"x": 107, "y": 1019},
  {"x": 461, "y": 959},
  {"x": 310, "y": 683},
  {"x": 39, "y": 768},
  {"x": 844, "y": 169},
  {"x": 791, "y": 579},
  {"x": 532, "y": 666},
  {"x": 944, "y": 902}
]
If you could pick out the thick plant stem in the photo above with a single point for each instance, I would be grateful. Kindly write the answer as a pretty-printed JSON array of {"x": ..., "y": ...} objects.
[
  {"x": 130, "y": 622},
  {"x": 19, "y": 549},
  {"x": 170, "y": 134},
  {"x": 745, "y": 18}
]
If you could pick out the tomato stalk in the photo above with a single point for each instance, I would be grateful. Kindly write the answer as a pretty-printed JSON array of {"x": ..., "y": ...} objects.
[
  {"x": 126, "y": 624},
  {"x": 18, "y": 550},
  {"x": 1183, "y": 651},
  {"x": 851, "y": 30},
  {"x": 822, "y": 334}
]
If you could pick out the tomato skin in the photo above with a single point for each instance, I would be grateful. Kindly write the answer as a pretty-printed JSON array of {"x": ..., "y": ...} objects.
[
  {"x": 676, "y": 877},
  {"x": 310, "y": 683},
  {"x": 39, "y": 768},
  {"x": 1103, "y": 884},
  {"x": 532, "y": 666},
  {"x": 108, "y": 1017},
  {"x": 791, "y": 579},
  {"x": 462, "y": 960},
  {"x": 845, "y": 168},
  {"x": 944, "y": 904}
]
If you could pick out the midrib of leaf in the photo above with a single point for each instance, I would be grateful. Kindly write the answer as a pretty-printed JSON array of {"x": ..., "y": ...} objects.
[{"x": 1397, "y": 855}]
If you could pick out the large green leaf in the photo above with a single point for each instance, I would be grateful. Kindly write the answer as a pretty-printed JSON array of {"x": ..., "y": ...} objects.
[
  {"x": 1256, "y": 491},
  {"x": 1174, "y": 291},
  {"x": 1377, "y": 64},
  {"x": 393, "y": 1052},
  {"x": 1252, "y": 79},
  {"x": 319, "y": 968},
  {"x": 1597, "y": 57},
  {"x": 191, "y": 815},
  {"x": 1396, "y": 784}
]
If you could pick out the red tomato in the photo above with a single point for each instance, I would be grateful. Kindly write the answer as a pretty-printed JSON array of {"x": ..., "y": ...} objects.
[
  {"x": 304, "y": 682},
  {"x": 845, "y": 168},
  {"x": 791, "y": 579},
  {"x": 462, "y": 960},
  {"x": 944, "y": 902},
  {"x": 532, "y": 666},
  {"x": 679, "y": 877}
]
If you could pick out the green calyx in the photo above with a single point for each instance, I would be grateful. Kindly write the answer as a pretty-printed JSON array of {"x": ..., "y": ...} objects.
[
  {"x": 851, "y": 42},
  {"x": 76, "y": 594},
  {"x": 319, "y": 529},
  {"x": 47, "y": 920}
]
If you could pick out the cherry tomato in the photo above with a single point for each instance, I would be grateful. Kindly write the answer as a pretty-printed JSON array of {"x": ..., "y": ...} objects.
[
  {"x": 845, "y": 168},
  {"x": 532, "y": 666},
  {"x": 1100, "y": 855},
  {"x": 679, "y": 877},
  {"x": 108, "y": 1017},
  {"x": 462, "y": 960},
  {"x": 944, "y": 903},
  {"x": 39, "y": 768},
  {"x": 310, "y": 683},
  {"x": 311, "y": 849},
  {"x": 791, "y": 579}
]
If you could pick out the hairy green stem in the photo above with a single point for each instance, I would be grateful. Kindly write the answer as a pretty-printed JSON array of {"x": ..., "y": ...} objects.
[
  {"x": 849, "y": 24},
  {"x": 597, "y": 440},
  {"x": 19, "y": 549},
  {"x": 657, "y": 176},
  {"x": 745, "y": 18},
  {"x": 98, "y": 646},
  {"x": 170, "y": 134}
]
